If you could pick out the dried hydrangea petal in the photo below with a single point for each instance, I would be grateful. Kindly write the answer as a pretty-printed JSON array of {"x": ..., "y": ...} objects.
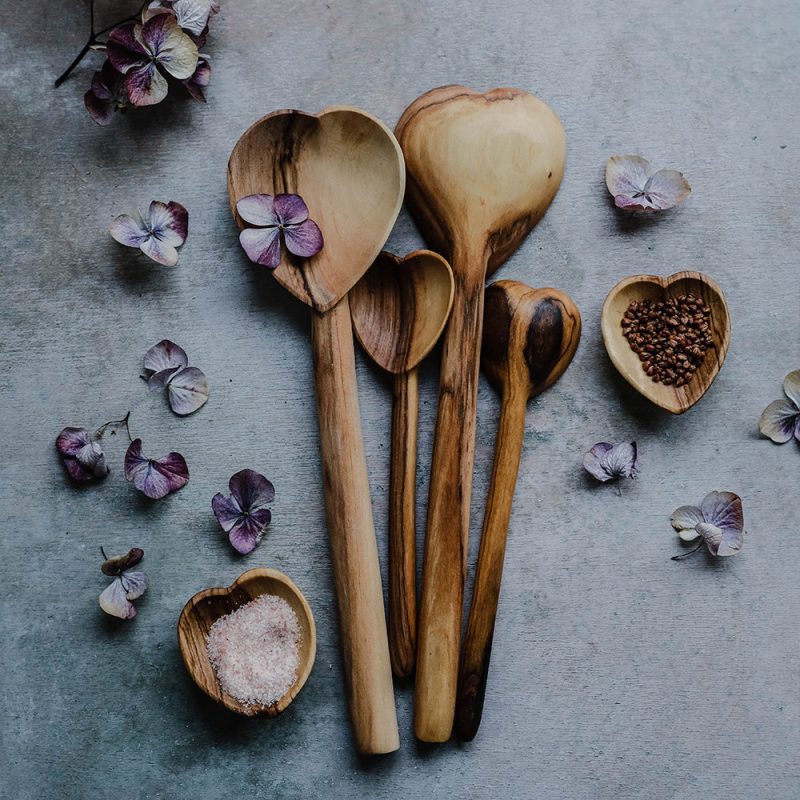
[
  {"x": 146, "y": 86},
  {"x": 635, "y": 187},
  {"x": 251, "y": 489},
  {"x": 124, "y": 50},
  {"x": 791, "y": 387},
  {"x": 163, "y": 356},
  {"x": 199, "y": 80},
  {"x": 606, "y": 461},
  {"x": 226, "y": 510},
  {"x": 193, "y": 15},
  {"x": 82, "y": 456},
  {"x": 169, "y": 222},
  {"x": 170, "y": 46},
  {"x": 187, "y": 390},
  {"x": 592, "y": 461},
  {"x": 134, "y": 583},
  {"x": 780, "y": 421},
  {"x": 247, "y": 532},
  {"x": 290, "y": 209},
  {"x": 114, "y": 601},
  {"x": 258, "y": 209},
  {"x": 666, "y": 189},
  {"x": 723, "y": 509},
  {"x": 244, "y": 515},
  {"x": 262, "y": 245},
  {"x": 71, "y": 440},
  {"x": 685, "y": 521},
  {"x": 160, "y": 252},
  {"x": 129, "y": 230},
  {"x": 304, "y": 240},
  {"x": 627, "y": 175},
  {"x": 155, "y": 478}
]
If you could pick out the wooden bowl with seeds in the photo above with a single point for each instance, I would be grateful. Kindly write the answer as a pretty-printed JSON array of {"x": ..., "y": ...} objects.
[{"x": 667, "y": 337}]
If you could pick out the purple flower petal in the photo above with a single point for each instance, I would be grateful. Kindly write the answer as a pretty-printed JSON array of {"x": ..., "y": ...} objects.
[
  {"x": 258, "y": 209},
  {"x": 169, "y": 222},
  {"x": 723, "y": 509},
  {"x": 779, "y": 421},
  {"x": 163, "y": 356},
  {"x": 160, "y": 252},
  {"x": 226, "y": 510},
  {"x": 251, "y": 490},
  {"x": 187, "y": 391},
  {"x": 134, "y": 583},
  {"x": 83, "y": 457},
  {"x": 77, "y": 471},
  {"x": 246, "y": 533},
  {"x": 791, "y": 387},
  {"x": 290, "y": 209},
  {"x": 199, "y": 80},
  {"x": 193, "y": 15},
  {"x": 128, "y": 230},
  {"x": 666, "y": 189},
  {"x": 124, "y": 50},
  {"x": 262, "y": 245},
  {"x": 303, "y": 240},
  {"x": 685, "y": 521},
  {"x": 592, "y": 461},
  {"x": 160, "y": 379},
  {"x": 114, "y": 601},
  {"x": 627, "y": 175},
  {"x": 71, "y": 441},
  {"x": 155, "y": 478},
  {"x": 170, "y": 46},
  {"x": 145, "y": 85}
]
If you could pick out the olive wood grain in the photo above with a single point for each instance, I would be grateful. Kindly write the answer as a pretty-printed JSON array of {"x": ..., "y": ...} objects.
[
  {"x": 349, "y": 169},
  {"x": 482, "y": 169},
  {"x": 399, "y": 309},
  {"x": 207, "y": 606},
  {"x": 675, "y": 399},
  {"x": 529, "y": 339}
]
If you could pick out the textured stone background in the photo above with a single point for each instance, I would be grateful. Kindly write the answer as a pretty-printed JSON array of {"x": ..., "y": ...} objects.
[{"x": 616, "y": 672}]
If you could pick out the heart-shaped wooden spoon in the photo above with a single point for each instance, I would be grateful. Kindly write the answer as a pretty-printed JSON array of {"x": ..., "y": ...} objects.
[
  {"x": 529, "y": 339},
  {"x": 399, "y": 310},
  {"x": 206, "y": 607},
  {"x": 482, "y": 170},
  {"x": 349, "y": 169},
  {"x": 675, "y": 399}
]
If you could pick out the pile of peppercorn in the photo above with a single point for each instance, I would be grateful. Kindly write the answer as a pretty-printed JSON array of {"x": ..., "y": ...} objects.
[{"x": 670, "y": 336}]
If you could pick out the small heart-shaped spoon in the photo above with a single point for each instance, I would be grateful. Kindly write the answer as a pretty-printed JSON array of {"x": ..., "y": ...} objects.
[
  {"x": 399, "y": 310},
  {"x": 529, "y": 339},
  {"x": 206, "y": 607},
  {"x": 675, "y": 399},
  {"x": 482, "y": 170},
  {"x": 349, "y": 169}
]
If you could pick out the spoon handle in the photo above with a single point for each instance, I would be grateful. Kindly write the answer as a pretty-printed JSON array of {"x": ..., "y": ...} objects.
[
  {"x": 486, "y": 591},
  {"x": 402, "y": 525},
  {"x": 444, "y": 569},
  {"x": 351, "y": 530}
]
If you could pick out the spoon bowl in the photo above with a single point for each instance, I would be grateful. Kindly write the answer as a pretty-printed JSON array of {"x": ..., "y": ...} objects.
[
  {"x": 675, "y": 399},
  {"x": 208, "y": 605}
]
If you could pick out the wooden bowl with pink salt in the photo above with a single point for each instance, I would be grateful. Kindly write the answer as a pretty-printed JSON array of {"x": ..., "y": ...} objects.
[{"x": 250, "y": 646}]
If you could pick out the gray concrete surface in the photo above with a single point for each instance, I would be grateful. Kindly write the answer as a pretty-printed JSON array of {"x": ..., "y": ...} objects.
[{"x": 616, "y": 673}]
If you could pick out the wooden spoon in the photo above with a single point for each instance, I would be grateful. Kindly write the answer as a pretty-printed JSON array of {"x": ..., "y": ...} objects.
[
  {"x": 206, "y": 607},
  {"x": 529, "y": 339},
  {"x": 349, "y": 169},
  {"x": 675, "y": 399},
  {"x": 399, "y": 310},
  {"x": 482, "y": 170}
]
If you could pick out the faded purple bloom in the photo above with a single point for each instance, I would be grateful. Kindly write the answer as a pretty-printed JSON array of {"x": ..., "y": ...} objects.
[
  {"x": 607, "y": 462},
  {"x": 82, "y": 456},
  {"x": 167, "y": 365},
  {"x": 781, "y": 418},
  {"x": 244, "y": 515},
  {"x": 166, "y": 228},
  {"x": 127, "y": 584},
  {"x": 199, "y": 80},
  {"x": 285, "y": 214},
  {"x": 192, "y": 15},
  {"x": 106, "y": 95},
  {"x": 155, "y": 477},
  {"x": 144, "y": 52},
  {"x": 719, "y": 523},
  {"x": 637, "y": 187}
]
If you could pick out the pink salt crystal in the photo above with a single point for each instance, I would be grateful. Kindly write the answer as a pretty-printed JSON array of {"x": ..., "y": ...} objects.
[{"x": 255, "y": 651}]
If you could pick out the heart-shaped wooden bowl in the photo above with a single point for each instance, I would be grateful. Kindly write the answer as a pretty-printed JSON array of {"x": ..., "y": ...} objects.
[
  {"x": 349, "y": 169},
  {"x": 675, "y": 399},
  {"x": 207, "y": 606},
  {"x": 400, "y": 307}
]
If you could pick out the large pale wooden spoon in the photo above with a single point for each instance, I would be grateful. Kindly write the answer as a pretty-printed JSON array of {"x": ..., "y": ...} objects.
[
  {"x": 349, "y": 169},
  {"x": 529, "y": 339},
  {"x": 482, "y": 170},
  {"x": 399, "y": 310}
]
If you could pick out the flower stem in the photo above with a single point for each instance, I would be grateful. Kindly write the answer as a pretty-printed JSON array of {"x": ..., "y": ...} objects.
[
  {"x": 115, "y": 423},
  {"x": 689, "y": 553}
]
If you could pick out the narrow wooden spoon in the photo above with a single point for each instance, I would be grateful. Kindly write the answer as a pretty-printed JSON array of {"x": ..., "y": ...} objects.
[
  {"x": 399, "y": 310},
  {"x": 349, "y": 169},
  {"x": 482, "y": 170},
  {"x": 529, "y": 338}
]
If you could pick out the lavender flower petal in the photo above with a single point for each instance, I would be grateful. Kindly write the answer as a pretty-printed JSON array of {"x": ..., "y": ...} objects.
[
  {"x": 128, "y": 230},
  {"x": 82, "y": 457},
  {"x": 160, "y": 379},
  {"x": 170, "y": 46},
  {"x": 226, "y": 510},
  {"x": 169, "y": 222},
  {"x": 290, "y": 209},
  {"x": 621, "y": 460},
  {"x": 155, "y": 478},
  {"x": 592, "y": 461},
  {"x": 77, "y": 471},
  {"x": 164, "y": 355},
  {"x": 303, "y": 240},
  {"x": 248, "y": 530},
  {"x": 685, "y": 521},
  {"x": 145, "y": 85},
  {"x": 160, "y": 252},
  {"x": 199, "y": 80},
  {"x": 666, "y": 189},
  {"x": 114, "y": 601},
  {"x": 135, "y": 583},
  {"x": 187, "y": 390},
  {"x": 71, "y": 441},
  {"x": 627, "y": 175},
  {"x": 723, "y": 509},
  {"x": 791, "y": 387},
  {"x": 250, "y": 490},
  {"x": 780, "y": 421},
  {"x": 193, "y": 15},
  {"x": 262, "y": 245},
  {"x": 258, "y": 209},
  {"x": 124, "y": 50}
]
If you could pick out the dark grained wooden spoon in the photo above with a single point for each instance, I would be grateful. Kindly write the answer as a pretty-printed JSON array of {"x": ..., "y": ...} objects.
[{"x": 529, "y": 339}]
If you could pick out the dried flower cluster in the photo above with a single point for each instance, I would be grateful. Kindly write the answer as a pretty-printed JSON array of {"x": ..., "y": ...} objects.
[
  {"x": 781, "y": 418},
  {"x": 243, "y": 514},
  {"x": 166, "y": 228},
  {"x": 147, "y": 54},
  {"x": 635, "y": 186},
  {"x": 166, "y": 366},
  {"x": 607, "y": 462},
  {"x": 718, "y": 523},
  {"x": 670, "y": 336},
  {"x": 128, "y": 584}
]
